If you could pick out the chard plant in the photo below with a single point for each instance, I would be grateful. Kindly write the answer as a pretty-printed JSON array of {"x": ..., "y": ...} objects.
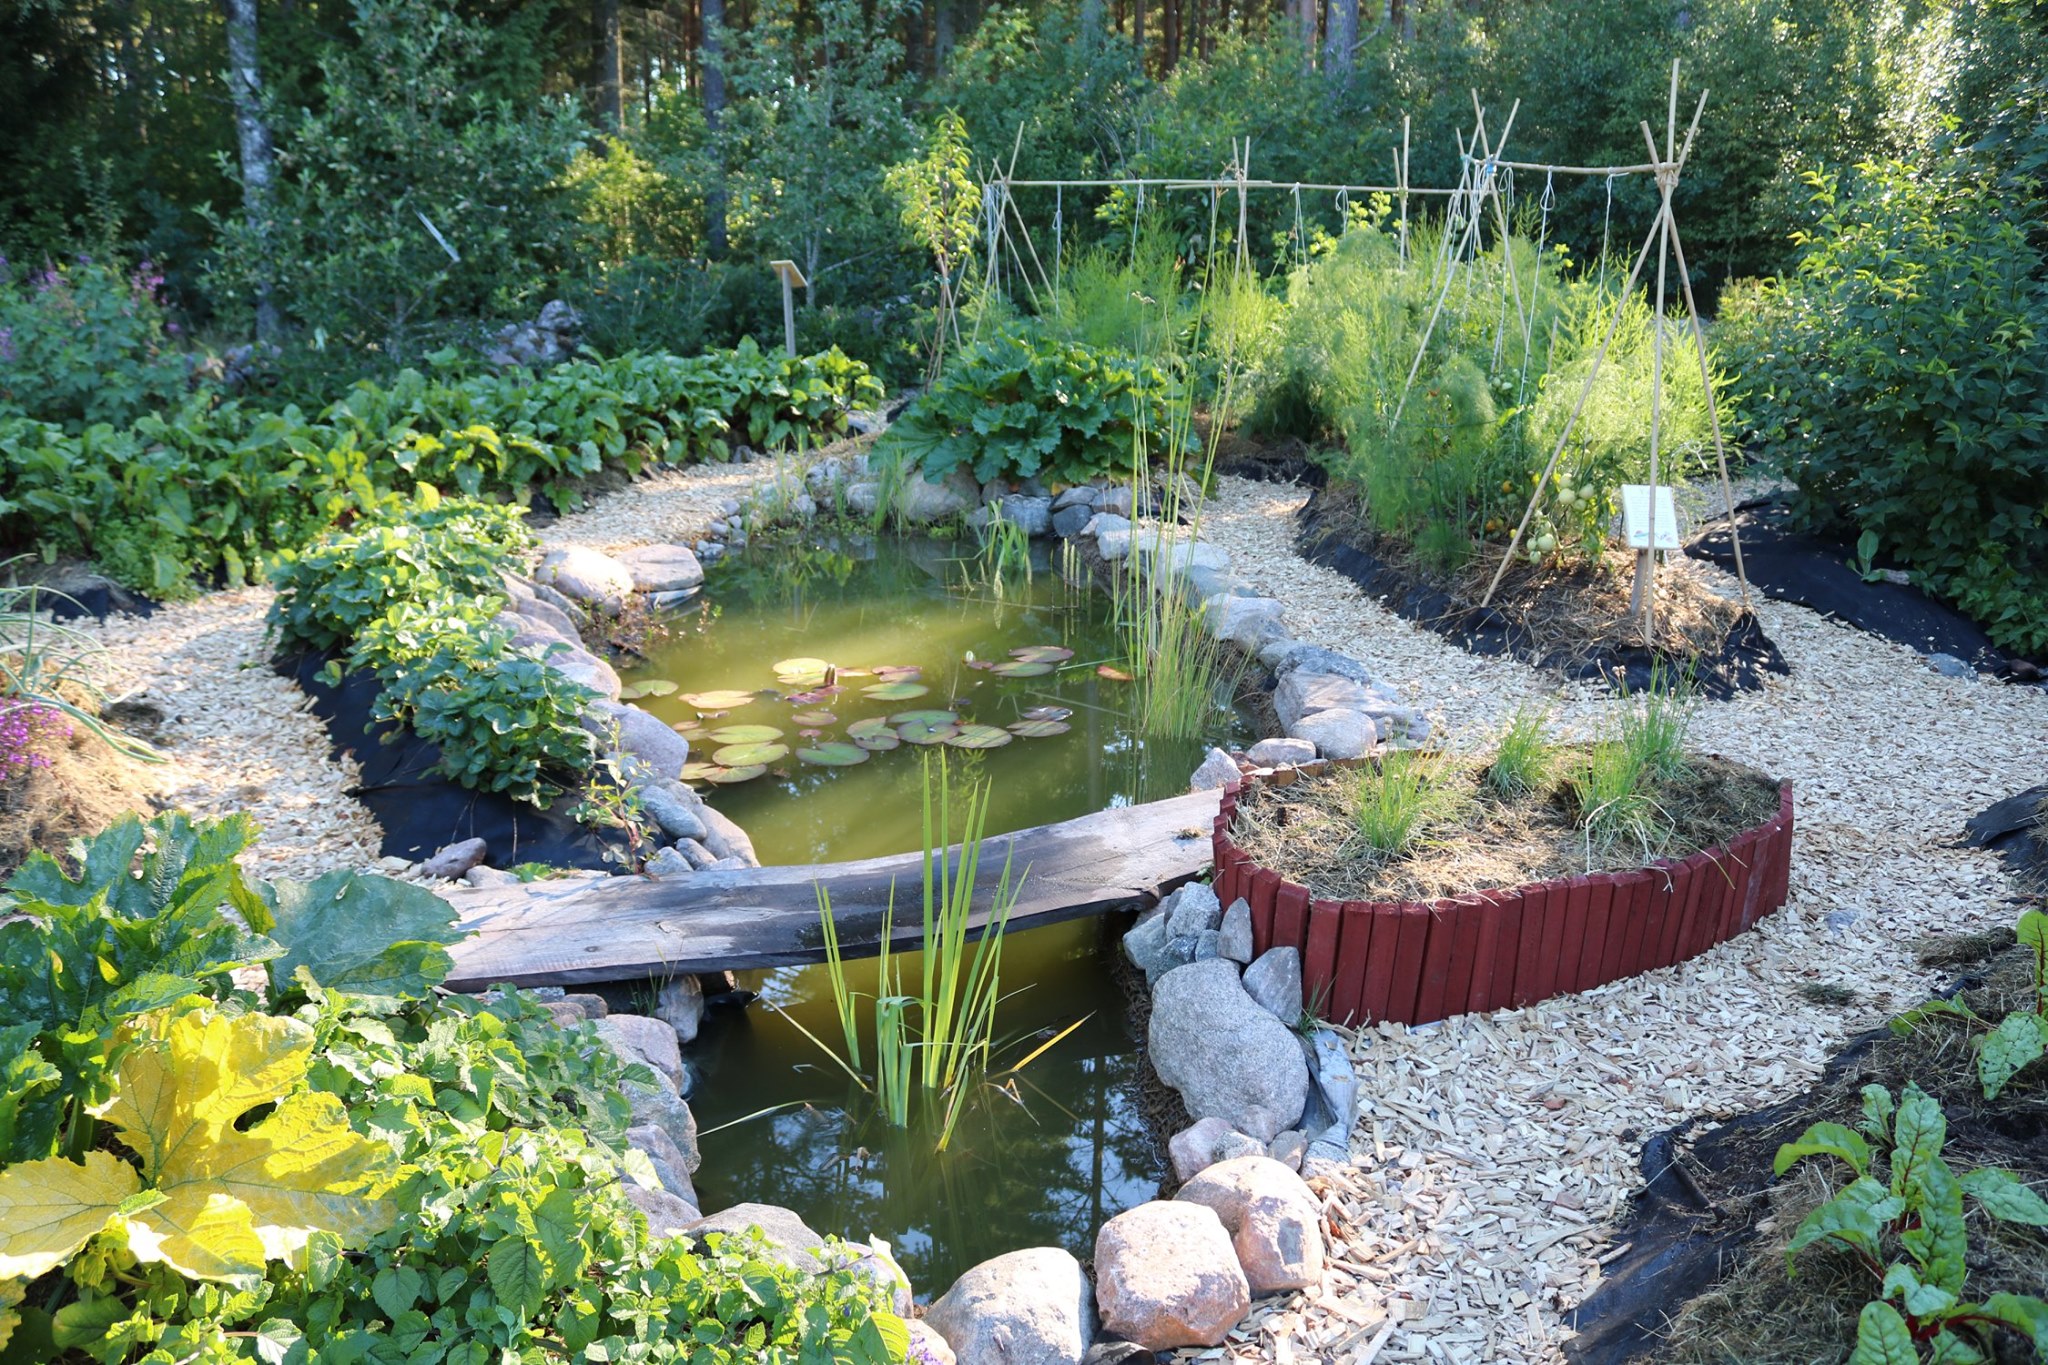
[
  {"x": 2018, "y": 1040},
  {"x": 1903, "y": 1218}
]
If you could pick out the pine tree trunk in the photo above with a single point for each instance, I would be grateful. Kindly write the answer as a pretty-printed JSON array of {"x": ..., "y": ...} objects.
[
  {"x": 712, "y": 75},
  {"x": 259, "y": 161},
  {"x": 608, "y": 65},
  {"x": 1342, "y": 36},
  {"x": 1169, "y": 22},
  {"x": 1138, "y": 31}
]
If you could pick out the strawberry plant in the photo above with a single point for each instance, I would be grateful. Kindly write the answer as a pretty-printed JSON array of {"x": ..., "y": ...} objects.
[{"x": 1903, "y": 1218}]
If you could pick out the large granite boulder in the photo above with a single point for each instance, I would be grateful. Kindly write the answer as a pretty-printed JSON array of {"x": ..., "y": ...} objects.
[
  {"x": 1030, "y": 1307},
  {"x": 588, "y": 576},
  {"x": 1224, "y": 1052},
  {"x": 1167, "y": 1276},
  {"x": 662, "y": 568},
  {"x": 1275, "y": 1223},
  {"x": 627, "y": 728}
]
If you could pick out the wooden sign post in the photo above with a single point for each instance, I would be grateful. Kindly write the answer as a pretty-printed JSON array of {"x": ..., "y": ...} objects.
[{"x": 792, "y": 280}]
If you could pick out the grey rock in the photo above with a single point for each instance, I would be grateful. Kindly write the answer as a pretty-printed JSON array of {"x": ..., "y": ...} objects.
[
  {"x": 1117, "y": 499},
  {"x": 1333, "y": 1153},
  {"x": 1208, "y": 945},
  {"x": 1288, "y": 656},
  {"x": 680, "y": 1005},
  {"x": 724, "y": 838},
  {"x": 1217, "y": 769},
  {"x": 1113, "y": 545},
  {"x": 1032, "y": 1307},
  {"x": 927, "y": 1347},
  {"x": 1338, "y": 734},
  {"x": 455, "y": 859},
  {"x": 863, "y": 422},
  {"x": 547, "y": 614},
  {"x": 1275, "y": 1223},
  {"x": 1178, "y": 557},
  {"x": 1247, "y": 622},
  {"x": 1105, "y": 521},
  {"x": 1281, "y": 752},
  {"x": 920, "y": 500},
  {"x": 1119, "y": 1353},
  {"x": 1274, "y": 980},
  {"x": 663, "y": 1153},
  {"x": 1235, "y": 934},
  {"x": 1225, "y": 1053},
  {"x": 665, "y": 601},
  {"x": 699, "y": 856},
  {"x": 863, "y": 498},
  {"x": 1949, "y": 666},
  {"x": 517, "y": 589},
  {"x": 1080, "y": 495},
  {"x": 637, "y": 1037},
  {"x": 676, "y": 810},
  {"x": 1031, "y": 515},
  {"x": 668, "y": 1215},
  {"x": 731, "y": 863},
  {"x": 1069, "y": 522},
  {"x": 588, "y": 576},
  {"x": 1289, "y": 1148},
  {"x": 1166, "y": 1276},
  {"x": 624, "y": 726},
  {"x": 1199, "y": 585},
  {"x": 1302, "y": 693},
  {"x": 1193, "y": 909},
  {"x": 788, "y": 1238},
  {"x": 662, "y": 568},
  {"x": 578, "y": 615},
  {"x": 709, "y": 552},
  {"x": 581, "y": 666},
  {"x": 1841, "y": 920},
  {"x": 1148, "y": 946},
  {"x": 667, "y": 863},
  {"x": 548, "y": 340},
  {"x": 659, "y": 1104},
  {"x": 729, "y": 506},
  {"x": 1204, "y": 1143},
  {"x": 578, "y": 1007},
  {"x": 489, "y": 876}
]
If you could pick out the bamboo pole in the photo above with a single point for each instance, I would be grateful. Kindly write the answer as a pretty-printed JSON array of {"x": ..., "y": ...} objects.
[{"x": 1699, "y": 341}]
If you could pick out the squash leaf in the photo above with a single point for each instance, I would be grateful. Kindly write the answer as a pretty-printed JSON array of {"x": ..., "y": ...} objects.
[
  {"x": 212, "y": 1202},
  {"x": 370, "y": 937}
]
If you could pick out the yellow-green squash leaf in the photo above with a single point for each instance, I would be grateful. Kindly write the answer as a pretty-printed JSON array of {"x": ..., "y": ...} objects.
[{"x": 49, "y": 1209}]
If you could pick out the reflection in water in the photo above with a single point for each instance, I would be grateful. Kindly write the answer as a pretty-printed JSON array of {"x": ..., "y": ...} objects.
[
  {"x": 909, "y": 602},
  {"x": 1041, "y": 1157}
]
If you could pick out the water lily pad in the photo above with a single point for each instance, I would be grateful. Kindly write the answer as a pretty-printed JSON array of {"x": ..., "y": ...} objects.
[
  {"x": 898, "y": 672},
  {"x": 699, "y": 772},
  {"x": 743, "y": 734},
  {"x": 880, "y": 743},
  {"x": 799, "y": 667},
  {"x": 833, "y": 755},
  {"x": 748, "y": 755},
  {"x": 1042, "y": 654},
  {"x": 1021, "y": 668},
  {"x": 923, "y": 718},
  {"x": 813, "y": 696},
  {"x": 647, "y": 687},
  {"x": 1047, "y": 713},
  {"x": 812, "y": 718},
  {"x": 696, "y": 734},
  {"x": 928, "y": 732},
  {"x": 746, "y": 772},
  {"x": 873, "y": 725},
  {"x": 1113, "y": 674},
  {"x": 982, "y": 665},
  {"x": 1039, "y": 729},
  {"x": 727, "y": 700},
  {"x": 979, "y": 737},
  {"x": 895, "y": 691}
]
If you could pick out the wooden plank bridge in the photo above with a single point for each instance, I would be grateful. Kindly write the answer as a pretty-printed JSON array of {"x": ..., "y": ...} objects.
[{"x": 575, "y": 930}]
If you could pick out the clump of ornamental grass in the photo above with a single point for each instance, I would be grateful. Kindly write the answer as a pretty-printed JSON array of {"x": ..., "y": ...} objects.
[
  {"x": 1655, "y": 729},
  {"x": 1611, "y": 791},
  {"x": 1398, "y": 797},
  {"x": 1522, "y": 757}
]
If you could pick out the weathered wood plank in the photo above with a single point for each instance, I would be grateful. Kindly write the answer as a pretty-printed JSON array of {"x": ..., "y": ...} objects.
[{"x": 579, "y": 930}]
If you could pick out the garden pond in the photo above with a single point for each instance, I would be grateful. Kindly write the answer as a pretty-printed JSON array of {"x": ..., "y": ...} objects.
[
  {"x": 812, "y": 679},
  {"x": 1041, "y": 1155}
]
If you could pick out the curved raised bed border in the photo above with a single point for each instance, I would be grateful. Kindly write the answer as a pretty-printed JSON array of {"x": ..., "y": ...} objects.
[{"x": 1414, "y": 962}]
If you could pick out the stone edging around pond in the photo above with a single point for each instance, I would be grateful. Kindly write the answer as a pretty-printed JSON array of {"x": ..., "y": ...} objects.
[{"x": 1418, "y": 962}]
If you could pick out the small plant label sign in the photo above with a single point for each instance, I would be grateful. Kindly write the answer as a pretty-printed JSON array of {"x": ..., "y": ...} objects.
[{"x": 1635, "y": 517}]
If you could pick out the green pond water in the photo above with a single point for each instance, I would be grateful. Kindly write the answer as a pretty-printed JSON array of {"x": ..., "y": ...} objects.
[
  {"x": 908, "y": 617},
  {"x": 1040, "y": 1158}
]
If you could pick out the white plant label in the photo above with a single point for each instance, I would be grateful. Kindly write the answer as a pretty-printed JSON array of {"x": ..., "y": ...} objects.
[{"x": 1635, "y": 517}]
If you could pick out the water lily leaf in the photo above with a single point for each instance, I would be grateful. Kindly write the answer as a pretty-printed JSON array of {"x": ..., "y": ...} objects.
[
  {"x": 1039, "y": 729},
  {"x": 725, "y": 777},
  {"x": 727, "y": 700},
  {"x": 647, "y": 687},
  {"x": 801, "y": 668},
  {"x": 979, "y": 737},
  {"x": 895, "y": 691},
  {"x": 696, "y": 734},
  {"x": 899, "y": 672},
  {"x": 699, "y": 772},
  {"x": 881, "y": 743},
  {"x": 1042, "y": 654},
  {"x": 812, "y": 718},
  {"x": 1113, "y": 674},
  {"x": 981, "y": 665},
  {"x": 834, "y": 755},
  {"x": 872, "y": 725},
  {"x": 748, "y": 755},
  {"x": 927, "y": 732},
  {"x": 1047, "y": 713},
  {"x": 744, "y": 734},
  {"x": 814, "y": 695},
  {"x": 810, "y": 734},
  {"x": 923, "y": 718},
  {"x": 1019, "y": 668}
]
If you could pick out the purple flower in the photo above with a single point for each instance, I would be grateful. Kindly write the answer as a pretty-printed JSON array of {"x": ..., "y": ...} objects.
[{"x": 26, "y": 730}]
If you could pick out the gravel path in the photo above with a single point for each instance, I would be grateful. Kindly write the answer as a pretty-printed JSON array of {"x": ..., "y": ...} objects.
[
  {"x": 1491, "y": 1152},
  {"x": 672, "y": 506},
  {"x": 239, "y": 737}
]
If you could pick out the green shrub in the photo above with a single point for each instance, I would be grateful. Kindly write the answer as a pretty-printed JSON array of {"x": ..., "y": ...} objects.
[
  {"x": 1028, "y": 406},
  {"x": 1900, "y": 381},
  {"x": 84, "y": 343}
]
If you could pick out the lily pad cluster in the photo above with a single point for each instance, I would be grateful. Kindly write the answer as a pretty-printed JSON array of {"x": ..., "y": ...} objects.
[{"x": 811, "y": 732}]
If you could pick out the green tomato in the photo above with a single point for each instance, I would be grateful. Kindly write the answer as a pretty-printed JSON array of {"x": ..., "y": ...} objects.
[{"x": 1585, "y": 492}]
